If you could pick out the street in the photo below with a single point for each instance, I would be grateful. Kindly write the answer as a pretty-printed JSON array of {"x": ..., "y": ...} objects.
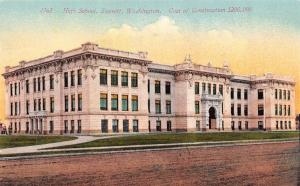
[{"x": 266, "y": 164}]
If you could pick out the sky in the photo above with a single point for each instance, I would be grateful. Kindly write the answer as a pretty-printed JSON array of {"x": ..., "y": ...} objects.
[{"x": 252, "y": 36}]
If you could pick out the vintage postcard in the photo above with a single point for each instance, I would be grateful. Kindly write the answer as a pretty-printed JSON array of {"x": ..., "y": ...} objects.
[{"x": 137, "y": 92}]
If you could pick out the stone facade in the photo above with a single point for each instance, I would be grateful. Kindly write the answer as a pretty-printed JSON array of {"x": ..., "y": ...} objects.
[{"x": 93, "y": 90}]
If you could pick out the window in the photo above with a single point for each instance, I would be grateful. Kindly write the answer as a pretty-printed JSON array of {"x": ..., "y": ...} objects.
[
  {"x": 34, "y": 105},
  {"x": 115, "y": 125},
  {"x": 79, "y": 77},
  {"x": 125, "y": 125},
  {"x": 104, "y": 126},
  {"x": 214, "y": 89},
  {"x": 114, "y": 102},
  {"x": 34, "y": 84},
  {"x": 289, "y": 95},
  {"x": 276, "y": 109},
  {"x": 72, "y": 78},
  {"x": 103, "y": 101},
  {"x": 232, "y": 93},
  {"x": 124, "y": 79},
  {"x": 19, "y": 88},
  {"x": 284, "y": 110},
  {"x": 78, "y": 126},
  {"x": 276, "y": 96},
  {"x": 124, "y": 103},
  {"x": 157, "y": 87},
  {"x": 72, "y": 127},
  {"x": 148, "y": 85},
  {"x": 27, "y": 106},
  {"x": 196, "y": 87},
  {"x": 284, "y": 94},
  {"x": 157, "y": 107},
  {"x": 280, "y": 110},
  {"x": 290, "y": 125},
  {"x": 103, "y": 77},
  {"x": 51, "y": 104},
  {"x": 16, "y": 108},
  {"x": 66, "y": 126},
  {"x": 66, "y": 103},
  {"x": 240, "y": 125},
  {"x": 246, "y": 125},
  {"x": 149, "y": 106},
  {"x": 43, "y": 83},
  {"x": 27, "y": 86},
  {"x": 198, "y": 127},
  {"x": 280, "y": 94},
  {"x": 289, "y": 110},
  {"x": 285, "y": 124},
  {"x": 39, "y": 105},
  {"x": 79, "y": 102},
  {"x": 149, "y": 125},
  {"x": 245, "y": 110},
  {"x": 221, "y": 89},
  {"x": 114, "y": 78},
  {"x": 27, "y": 127},
  {"x": 11, "y": 90},
  {"x": 19, "y": 108},
  {"x": 11, "y": 108},
  {"x": 134, "y": 79},
  {"x": 197, "y": 107},
  {"x": 44, "y": 103},
  {"x": 168, "y": 107},
  {"x": 51, "y": 82},
  {"x": 158, "y": 125},
  {"x": 203, "y": 88},
  {"x": 66, "y": 79},
  {"x": 260, "y": 94},
  {"x": 135, "y": 125},
  {"x": 209, "y": 88},
  {"x": 277, "y": 127},
  {"x": 73, "y": 102},
  {"x": 232, "y": 125},
  {"x": 39, "y": 84},
  {"x": 169, "y": 125},
  {"x": 239, "y": 109},
  {"x": 260, "y": 110},
  {"x": 222, "y": 125},
  {"x": 134, "y": 103},
  {"x": 232, "y": 109},
  {"x": 238, "y": 93},
  {"x": 281, "y": 125},
  {"x": 168, "y": 87}
]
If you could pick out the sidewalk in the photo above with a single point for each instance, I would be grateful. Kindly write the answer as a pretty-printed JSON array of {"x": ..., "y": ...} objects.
[
  {"x": 84, "y": 139},
  {"x": 35, "y": 148}
]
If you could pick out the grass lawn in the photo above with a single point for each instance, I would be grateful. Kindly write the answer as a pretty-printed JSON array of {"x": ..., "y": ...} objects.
[
  {"x": 19, "y": 141},
  {"x": 165, "y": 138}
]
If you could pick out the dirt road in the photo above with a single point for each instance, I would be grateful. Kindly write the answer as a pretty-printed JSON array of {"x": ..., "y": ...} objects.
[{"x": 267, "y": 164}]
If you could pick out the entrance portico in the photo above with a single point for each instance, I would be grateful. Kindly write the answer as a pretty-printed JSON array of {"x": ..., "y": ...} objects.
[
  {"x": 38, "y": 123},
  {"x": 211, "y": 112}
]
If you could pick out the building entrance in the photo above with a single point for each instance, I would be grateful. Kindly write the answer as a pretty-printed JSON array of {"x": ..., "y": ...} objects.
[{"x": 212, "y": 118}]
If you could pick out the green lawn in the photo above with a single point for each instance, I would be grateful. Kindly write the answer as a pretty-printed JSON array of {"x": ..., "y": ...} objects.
[
  {"x": 19, "y": 141},
  {"x": 164, "y": 138}
]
